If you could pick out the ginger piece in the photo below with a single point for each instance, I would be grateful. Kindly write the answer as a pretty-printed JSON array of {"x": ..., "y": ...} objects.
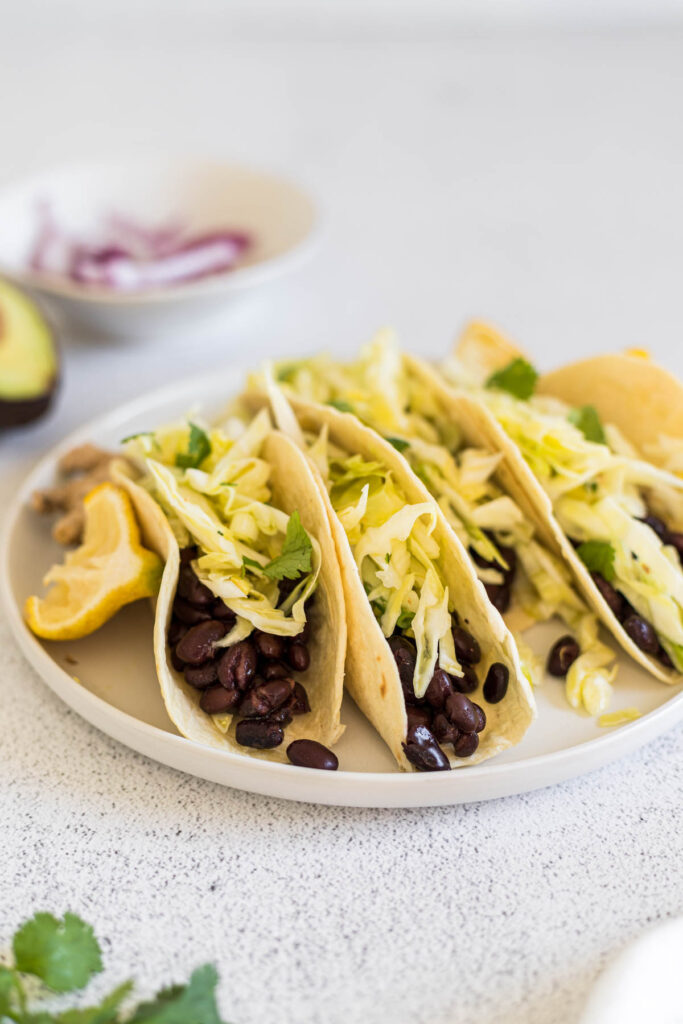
[{"x": 82, "y": 469}]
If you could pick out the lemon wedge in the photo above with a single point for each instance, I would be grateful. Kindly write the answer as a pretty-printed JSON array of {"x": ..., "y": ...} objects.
[{"x": 109, "y": 569}]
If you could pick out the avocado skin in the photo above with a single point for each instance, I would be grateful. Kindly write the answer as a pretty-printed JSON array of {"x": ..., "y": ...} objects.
[{"x": 17, "y": 412}]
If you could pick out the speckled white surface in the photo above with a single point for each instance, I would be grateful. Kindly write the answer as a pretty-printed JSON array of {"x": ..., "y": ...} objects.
[{"x": 536, "y": 179}]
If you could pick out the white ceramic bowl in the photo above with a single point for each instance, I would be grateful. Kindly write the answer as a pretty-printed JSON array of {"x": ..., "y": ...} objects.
[{"x": 200, "y": 194}]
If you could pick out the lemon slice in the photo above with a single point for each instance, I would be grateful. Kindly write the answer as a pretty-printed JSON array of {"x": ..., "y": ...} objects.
[{"x": 110, "y": 568}]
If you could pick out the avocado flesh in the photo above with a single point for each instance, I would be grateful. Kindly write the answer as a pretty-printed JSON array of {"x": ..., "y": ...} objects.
[{"x": 28, "y": 358}]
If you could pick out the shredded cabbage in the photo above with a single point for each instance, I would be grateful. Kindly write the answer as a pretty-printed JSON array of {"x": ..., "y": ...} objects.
[
  {"x": 223, "y": 505},
  {"x": 600, "y": 492}
]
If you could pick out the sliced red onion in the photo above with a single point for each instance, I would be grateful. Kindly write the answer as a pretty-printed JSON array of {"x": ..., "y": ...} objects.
[{"x": 133, "y": 257}]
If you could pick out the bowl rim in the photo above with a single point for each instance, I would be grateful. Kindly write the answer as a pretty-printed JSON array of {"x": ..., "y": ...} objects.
[{"x": 239, "y": 279}]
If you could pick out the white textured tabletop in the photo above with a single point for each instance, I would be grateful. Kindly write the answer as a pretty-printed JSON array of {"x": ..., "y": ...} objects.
[{"x": 534, "y": 180}]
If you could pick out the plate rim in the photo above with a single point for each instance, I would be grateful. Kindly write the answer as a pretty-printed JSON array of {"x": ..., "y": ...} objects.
[{"x": 272, "y": 778}]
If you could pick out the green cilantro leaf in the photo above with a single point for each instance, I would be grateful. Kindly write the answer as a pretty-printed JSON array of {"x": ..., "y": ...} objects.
[
  {"x": 340, "y": 405},
  {"x": 518, "y": 378},
  {"x": 8, "y": 992},
  {"x": 405, "y": 620},
  {"x": 398, "y": 443},
  {"x": 198, "y": 447},
  {"x": 194, "y": 1003},
  {"x": 106, "y": 1013},
  {"x": 63, "y": 954},
  {"x": 251, "y": 563},
  {"x": 587, "y": 420},
  {"x": 598, "y": 556},
  {"x": 131, "y": 437},
  {"x": 295, "y": 557}
]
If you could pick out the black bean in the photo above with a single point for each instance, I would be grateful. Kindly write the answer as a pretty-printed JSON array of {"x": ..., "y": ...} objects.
[
  {"x": 510, "y": 556},
  {"x": 237, "y": 666},
  {"x": 444, "y": 731},
  {"x": 664, "y": 658},
  {"x": 440, "y": 687},
  {"x": 310, "y": 754},
  {"x": 609, "y": 594},
  {"x": 496, "y": 682},
  {"x": 275, "y": 670},
  {"x": 298, "y": 657},
  {"x": 656, "y": 524},
  {"x": 481, "y": 718},
  {"x": 216, "y": 700},
  {"x": 270, "y": 646},
  {"x": 220, "y": 611},
  {"x": 178, "y": 665},
  {"x": 466, "y": 745},
  {"x": 176, "y": 631},
  {"x": 642, "y": 633},
  {"x": 266, "y": 697},
  {"x": 286, "y": 587},
  {"x": 418, "y": 716},
  {"x": 466, "y": 683},
  {"x": 562, "y": 656},
  {"x": 201, "y": 676},
  {"x": 499, "y": 596},
  {"x": 283, "y": 715},
  {"x": 467, "y": 649},
  {"x": 261, "y": 734},
  {"x": 460, "y": 711},
  {"x": 676, "y": 541},
  {"x": 188, "y": 614},
  {"x": 188, "y": 555},
  {"x": 405, "y": 656},
  {"x": 190, "y": 588},
  {"x": 298, "y": 703},
  {"x": 424, "y": 752},
  {"x": 198, "y": 644}
]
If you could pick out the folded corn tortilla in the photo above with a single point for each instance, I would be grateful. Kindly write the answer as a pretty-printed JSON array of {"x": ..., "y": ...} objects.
[{"x": 292, "y": 487}]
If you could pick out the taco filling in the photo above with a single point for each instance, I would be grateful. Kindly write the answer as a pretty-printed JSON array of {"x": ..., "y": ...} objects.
[
  {"x": 601, "y": 495},
  {"x": 518, "y": 571},
  {"x": 240, "y": 620},
  {"x": 398, "y": 561}
]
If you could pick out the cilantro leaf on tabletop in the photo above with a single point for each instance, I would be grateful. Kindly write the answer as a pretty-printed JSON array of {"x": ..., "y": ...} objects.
[
  {"x": 518, "y": 378},
  {"x": 587, "y": 420},
  {"x": 194, "y": 1003},
  {"x": 598, "y": 556},
  {"x": 106, "y": 1013},
  {"x": 295, "y": 557},
  {"x": 198, "y": 447},
  {"x": 63, "y": 954},
  {"x": 9, "y": 996}
]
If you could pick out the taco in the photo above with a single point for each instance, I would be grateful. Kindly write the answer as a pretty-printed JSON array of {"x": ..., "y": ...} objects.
[
  {"x": 429, "y": 661},
  {"x": 615, "y": 517},
  {"x": 250, "y": 627},
  {"x": 510, "y": 545}
]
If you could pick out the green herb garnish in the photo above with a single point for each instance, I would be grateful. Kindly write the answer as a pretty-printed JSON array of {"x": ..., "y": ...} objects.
[
  {"x": 398, "y": 443},
  {"x": 587, "y": 420},
  {"x": 518, "y": 378},
  {"x": 340, "y": 405},
  {"x": 132, "y": 437},
  {"x": 295, "y": 558},
  {"x": 251, "y": 563},
  {"x": 64, "y": 955},
  {"x": 198, "y": 447},
  {"x": 598, "y": 556}
]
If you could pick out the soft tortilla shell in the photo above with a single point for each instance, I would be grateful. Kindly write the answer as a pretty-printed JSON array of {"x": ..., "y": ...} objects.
[
  {"x": 523, "y": 484},
  {"x": 293, "y": 487},
  {"x": 371, "y": 675}
]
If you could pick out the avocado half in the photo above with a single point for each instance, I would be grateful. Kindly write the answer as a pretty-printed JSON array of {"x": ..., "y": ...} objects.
[{"x": 29, "y": 365}]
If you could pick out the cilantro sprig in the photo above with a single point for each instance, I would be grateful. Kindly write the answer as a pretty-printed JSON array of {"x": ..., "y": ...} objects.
[
  {"x": 295, "y": 558},
  {"x": 198, "y": 447},
  {"x": 587, "y": 420},
  {"x": 518, "y": 378},
  {"x": 64, "y": 955},
  {"x": 598, "y": 556}
]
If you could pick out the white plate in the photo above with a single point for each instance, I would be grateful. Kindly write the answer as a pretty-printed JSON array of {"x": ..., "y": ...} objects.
[
  {"x": 199, "y": 195},
  {"x": 109, "y": 678}
]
